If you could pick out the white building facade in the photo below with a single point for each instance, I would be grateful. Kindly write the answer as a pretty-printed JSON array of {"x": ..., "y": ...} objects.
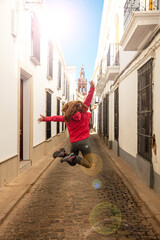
[
  {"x": 71, "y": 72},
  {"x": 126, "y": 75},
  {"x": 34, "y": 81}
]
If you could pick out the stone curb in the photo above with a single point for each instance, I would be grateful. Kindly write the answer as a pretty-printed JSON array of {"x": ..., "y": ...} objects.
[{"x": 149, "y": 196}]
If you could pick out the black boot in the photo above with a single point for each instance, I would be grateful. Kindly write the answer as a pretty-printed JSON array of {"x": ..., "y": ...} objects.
[
  {"x": 60, "y": 153},
  {"x": 71, "y": 159},
  {"x": 68, "y": 158}
]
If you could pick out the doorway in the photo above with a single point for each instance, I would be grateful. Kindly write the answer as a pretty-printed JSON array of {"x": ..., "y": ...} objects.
[
  {"x": 25, "y": 112},
  {"x": 21, "y": 120},
  {"x": 58, "y": 113}
]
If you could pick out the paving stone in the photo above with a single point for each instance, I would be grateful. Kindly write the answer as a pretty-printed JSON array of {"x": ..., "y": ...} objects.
[{"x": 60, "y": 203}]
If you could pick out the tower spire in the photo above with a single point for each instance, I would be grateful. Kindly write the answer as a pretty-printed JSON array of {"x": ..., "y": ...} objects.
[{"x": 82, "y": 82}]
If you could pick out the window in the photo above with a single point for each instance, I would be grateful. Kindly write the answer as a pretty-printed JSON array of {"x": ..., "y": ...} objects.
[
  {"x": 64, "y": 84},
  {"x": 100, "y": 68},
  {"x": 108, "y": 56},
  {"x": 63, "y": 124},
  {"x": 100, "y": 119},
  {"x": 58, "y": 113},
  {"x": 106, "y": 116},
  {"x": 145, "y": 111},
  {"x": 59, "y": 74},
  {"x": 113, "y": 55},
  {"x": 67, "y": 91},
  {"x": 50, "y": 60},
  {"x": 116, "y": 114},
  {"x": 35, "y": 40},
  {"x": 48, "y": 113}
]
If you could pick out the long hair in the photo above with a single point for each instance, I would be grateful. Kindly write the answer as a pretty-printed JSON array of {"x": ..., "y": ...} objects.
[{"x": 71, "y": 108}]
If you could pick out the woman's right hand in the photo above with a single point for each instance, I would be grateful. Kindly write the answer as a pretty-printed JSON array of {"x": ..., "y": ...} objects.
[{"x": 40, "y": 119}]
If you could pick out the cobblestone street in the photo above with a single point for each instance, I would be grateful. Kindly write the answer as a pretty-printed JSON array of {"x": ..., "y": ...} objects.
[{"x": 77, "y": 203}]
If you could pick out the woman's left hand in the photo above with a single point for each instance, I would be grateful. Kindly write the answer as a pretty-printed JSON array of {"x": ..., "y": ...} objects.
[{"x": 92, "y": 84}]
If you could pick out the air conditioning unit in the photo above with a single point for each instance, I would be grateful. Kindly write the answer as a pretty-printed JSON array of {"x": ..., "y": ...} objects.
[{"x": 96, "y": 99}]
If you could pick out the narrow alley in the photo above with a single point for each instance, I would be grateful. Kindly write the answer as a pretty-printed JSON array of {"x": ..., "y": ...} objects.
[{"x": 77, "y": 203}]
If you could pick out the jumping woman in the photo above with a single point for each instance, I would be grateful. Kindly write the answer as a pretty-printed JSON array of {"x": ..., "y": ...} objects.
[{"x": 77, "y": 119}]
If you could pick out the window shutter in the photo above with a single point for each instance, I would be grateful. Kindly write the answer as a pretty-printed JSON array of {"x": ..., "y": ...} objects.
[{"x": 35, "y": 38}]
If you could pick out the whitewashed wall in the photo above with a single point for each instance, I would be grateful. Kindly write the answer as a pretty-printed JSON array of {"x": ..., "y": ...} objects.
[
  {"x": 8, "y": 83},
  {"x": 41, "y": 83},
  {"x": 128, "y": 114},
  {"x": 39, "y": 103},
  {"x": 130, "y": 62},
  {"x": 71, "y": 71},
  {"x": 156, "y": 111},
  {"x": 15, "y": 53},
  {"x": 125, "y": 58}
]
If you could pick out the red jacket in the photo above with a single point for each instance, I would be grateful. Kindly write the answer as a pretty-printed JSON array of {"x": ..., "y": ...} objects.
[{"x": 78, "y": 127}]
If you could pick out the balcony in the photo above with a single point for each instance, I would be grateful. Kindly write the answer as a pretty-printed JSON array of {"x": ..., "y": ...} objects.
[
  {"x": 100, "y": 83},
  {"x": 112, "y": 68},
  {"x": 141, "y": 18}
]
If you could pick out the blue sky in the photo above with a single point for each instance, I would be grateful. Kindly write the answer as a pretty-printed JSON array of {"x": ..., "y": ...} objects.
[{"x": 78, "y": 32}]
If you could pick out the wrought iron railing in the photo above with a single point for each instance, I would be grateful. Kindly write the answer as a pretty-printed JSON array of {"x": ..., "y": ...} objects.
[
  {"x": 113, "y": 55},
  {"x": 138, "y": 5}
]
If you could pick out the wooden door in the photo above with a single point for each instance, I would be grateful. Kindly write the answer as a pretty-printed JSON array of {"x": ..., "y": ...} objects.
[
  {"x": 58, "y": 113},
  {"x": 21, "y": 120}
]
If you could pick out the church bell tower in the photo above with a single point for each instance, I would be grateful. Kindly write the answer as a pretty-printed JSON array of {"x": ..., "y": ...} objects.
[{"x": 82, "y": 83}]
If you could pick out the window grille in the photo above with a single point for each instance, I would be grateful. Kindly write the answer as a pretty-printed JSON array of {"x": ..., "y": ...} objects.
[
  {"x": 100, "y": 118},
  {"x": 48, "y": 113},
  {"x": 145, "y": 111},
  {"x": 106, "y": 132},
  {"x": 50, "y": 60},
  {"x": 58, "y": 113},
  {"x": 63, "y": 115},
  {"x": 35, "y": 40},
  {"x": 116, "y": 114},
  {"x": 104, "y": 117}
]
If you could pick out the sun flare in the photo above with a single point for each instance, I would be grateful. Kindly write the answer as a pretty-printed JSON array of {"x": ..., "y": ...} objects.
[{"x": 59, "y": 21}]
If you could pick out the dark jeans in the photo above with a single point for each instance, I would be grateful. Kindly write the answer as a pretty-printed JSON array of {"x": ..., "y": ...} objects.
[{"x": 85, "y": 148}]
